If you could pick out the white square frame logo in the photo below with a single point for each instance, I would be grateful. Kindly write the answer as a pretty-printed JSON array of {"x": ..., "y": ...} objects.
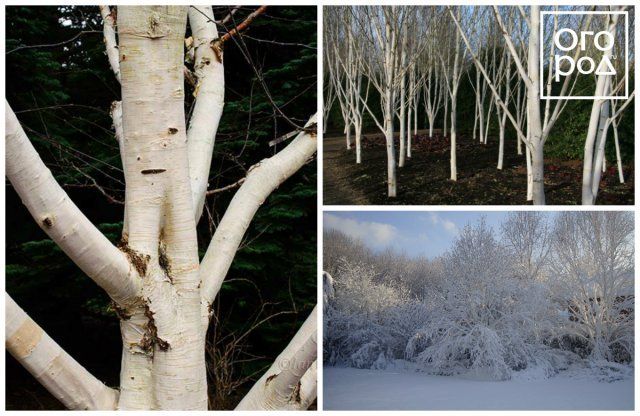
[{"x": 625, "y": 13}]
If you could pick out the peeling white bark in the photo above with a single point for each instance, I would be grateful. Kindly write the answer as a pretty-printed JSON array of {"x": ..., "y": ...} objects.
[{"x": 167, "y": 325}]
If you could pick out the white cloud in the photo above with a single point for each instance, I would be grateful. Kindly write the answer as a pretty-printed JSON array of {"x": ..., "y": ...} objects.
[
  {"x": 448, "y": 225},
  {"x": 373, "y": 233}
]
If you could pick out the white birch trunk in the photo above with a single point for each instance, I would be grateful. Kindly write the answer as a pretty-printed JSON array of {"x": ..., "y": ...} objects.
[
  {"x": 618, "y": 157},
  {"x": 596, "y": 123},
  {"x": 261, "y": 180},
  {"x": 205, "y": 118},
  {"x": 446, "y": 114},
  {"x": 111, "y": 46},
  {"x": 533, "y": 99},
  {"x": 403, "y": 99}
]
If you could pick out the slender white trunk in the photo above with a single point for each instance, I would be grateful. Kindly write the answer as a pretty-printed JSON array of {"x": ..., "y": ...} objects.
[
  {"x": 347, "y": 130},
  {"x": 359, "y": 142},
  {"x": 596, "y": 123},
  {"x": 453, "y": 161},
  {"x": 529, "y": 170},
  {"x": 480, "y": 109},
  {"x": 261, "y": 180},
  {"x": 109, "y": 28},
  {"x": 476, "y": 109},
  {"x": 408, "y": 139},
  {"x": 603, "y": 129},
  {"x": 403, "y": 101},
  {"x": 446, "y": 114},
  {"x": 410, "y": 101},
  {"x": 501, "y": 145},
  {"x": 60, "y": 218},
  {"x": 415, "y": 121},
  {"x": 391, "y": 153},
  {"x": 209, "y": 103},
  {"x": 618, "y": 157},
  {"x": 533, "y": 104}
]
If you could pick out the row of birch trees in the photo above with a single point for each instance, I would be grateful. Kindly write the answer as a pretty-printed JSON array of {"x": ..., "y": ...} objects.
[{"x": 402, "y": 66}]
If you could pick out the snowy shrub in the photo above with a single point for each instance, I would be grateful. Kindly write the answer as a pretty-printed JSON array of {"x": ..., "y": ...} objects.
[
  {"x": 608, "y": 372},
  {"x": 488, "y": 320},
  {"x": 365, "y": 315},
  {"x": 381, "y": 362},
  {"x": 460, "y": 349},
  {"x": 366, "y": 355}
]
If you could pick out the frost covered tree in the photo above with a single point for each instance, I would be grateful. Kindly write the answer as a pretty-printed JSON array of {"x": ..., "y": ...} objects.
[
  {"x": 540, "y": 296},
  {"x": 161, "y": 290},
  {"x": 593, "y": 262},
  {"x": 486, "y": 320},
  {"x": 527, "y": 235}
]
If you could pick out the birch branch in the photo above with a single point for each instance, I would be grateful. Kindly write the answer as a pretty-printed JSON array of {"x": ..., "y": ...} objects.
[
  {"x": 209, "y": 92},
  {"x": 245, "y": 23},
  {"x": 56, "y": 370},
  {"x": 261, "y": 181},
  {"x": 109, "y": 28},
  {"x": 61, "y": 219},
  {"x": 289, "y": 383},
  {"x": 482, "y": 70},
  {"x": 514, "y": 54}
]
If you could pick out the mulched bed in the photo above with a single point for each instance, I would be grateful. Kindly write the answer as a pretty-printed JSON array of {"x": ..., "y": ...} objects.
[{"x": 424, "y": 180}]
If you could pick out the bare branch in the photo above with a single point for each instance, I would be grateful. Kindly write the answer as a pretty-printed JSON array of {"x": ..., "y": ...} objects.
[
  {"x": 56, "y": 370},
  {"x": 261, "y": 181},
  {"x": 109, "y": 25},
  {"x": 61, "y": 219},
  {"x": 281, "y": 386}
]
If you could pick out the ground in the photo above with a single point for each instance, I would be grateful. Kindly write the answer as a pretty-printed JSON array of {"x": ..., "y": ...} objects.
[
  {"x": 354, "y": 389},
  {"x": 424, "y": 180}
]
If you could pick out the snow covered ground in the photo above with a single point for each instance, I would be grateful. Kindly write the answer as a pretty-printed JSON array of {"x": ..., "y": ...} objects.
[{"x": 355, "y": 389}]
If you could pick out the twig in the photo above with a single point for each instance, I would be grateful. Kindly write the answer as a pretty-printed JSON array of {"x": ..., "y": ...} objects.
[
  {"x": 243, "y": 25},
  {"x": 53, "y": 45},
  {"x": 225, "y": 188}
]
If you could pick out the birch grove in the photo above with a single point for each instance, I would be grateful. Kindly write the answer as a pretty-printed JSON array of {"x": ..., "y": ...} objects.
[
  {"x": 417, "y": 59},
  {"x": 162, "y": 292}
]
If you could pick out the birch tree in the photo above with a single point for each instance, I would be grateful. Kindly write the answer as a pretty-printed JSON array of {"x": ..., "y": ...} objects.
[
  {"x": 593, "y": 258},
  {"x": 162, "y": 292},
  {"x": 452, "y": 67},
  {"x": 380, "y": 32},
  {"x": 433, "y": 85},
  {"x": 527, "y": 236},
  {"x": 601, "y": 116},
  {"x": 343, "y": 52},
  {"x": 539, "y": 124}
]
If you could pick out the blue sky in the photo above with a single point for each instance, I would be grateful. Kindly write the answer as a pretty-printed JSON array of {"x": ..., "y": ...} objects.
[{"x": 423, "y": 233}]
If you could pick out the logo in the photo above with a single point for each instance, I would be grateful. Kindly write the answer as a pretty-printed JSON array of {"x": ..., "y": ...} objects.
[{"x": 570, "y": 52}]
